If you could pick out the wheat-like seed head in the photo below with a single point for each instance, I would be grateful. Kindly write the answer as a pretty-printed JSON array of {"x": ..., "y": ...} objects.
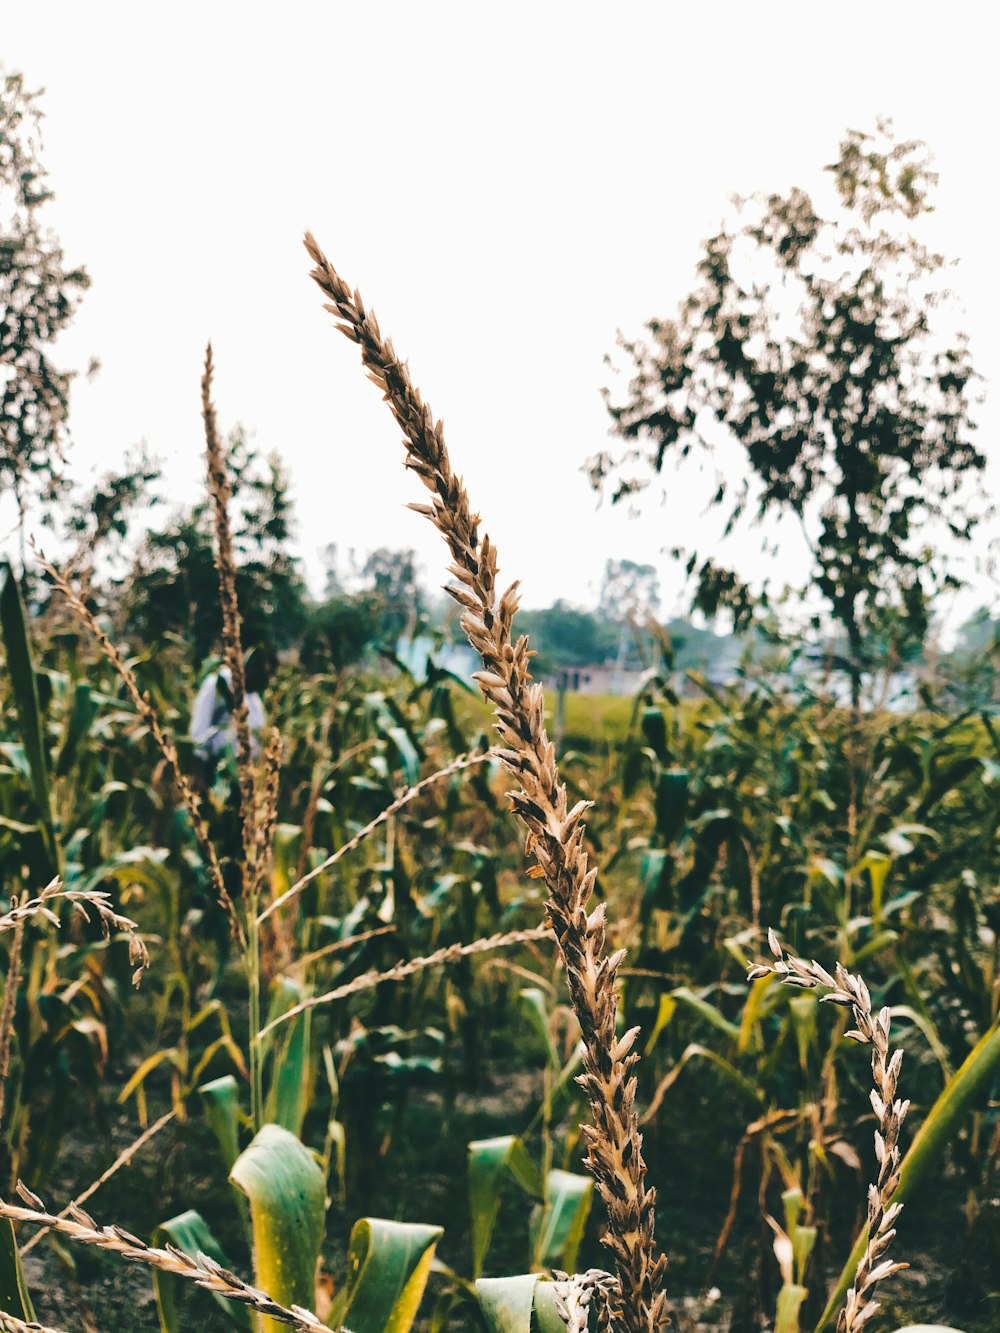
[
  {"x": 870, "y": 1029},
  {"x": 456, "y": 766},
  {"x": 555, "y": 832},
  {"x": 206, "y": 1273},
  {"x": 83, "y": 902},
  {"x": 162, "y": 739},
  {"x": 220, "y": 493},
  {"x": 575, "y": 1294},
  {"x": 408, "y": 967},
  {"x": 9, "y": 1323}
]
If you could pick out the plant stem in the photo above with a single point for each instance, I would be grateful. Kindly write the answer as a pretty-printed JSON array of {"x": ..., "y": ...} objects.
[{"x": 253, "y": 985}]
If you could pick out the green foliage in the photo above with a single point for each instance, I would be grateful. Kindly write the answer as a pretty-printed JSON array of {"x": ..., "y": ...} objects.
[
  {"x": 188, "y": 1232},
  {"x": 567, "y": 636},
  {"x": 38, "y": 298},
  {"x": 17, "y": 650},
  {"x": 490, "y": 1160},
  {"x": 522, "y": 1304},
  {"x": 387, "y": 1268},
  {"x": 172, "y": 588},
  {"x": 14, "y": 1298},
  {"x": 808, "y": 342},
  {"x": 285, "y": 1189},
  {"x": 870, "y": 838},
  {"x": 221, "y": 1098},
  {"x": 338, "y": 632}
]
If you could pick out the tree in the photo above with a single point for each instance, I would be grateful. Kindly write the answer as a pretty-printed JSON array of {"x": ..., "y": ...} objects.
[
  {"x": 809, "y": 341},
  {"x": 174, "y": 586},
  {"x": 629, "y": 591},
  {"x": 391, "y": 577},
  {"x": 38, "y": 297},
  {"x": 339, "y": 631},
  {"x": 630, "y": 596},
  {"x": 567, "y": 636},
  {"x": 107, "y": 512}
]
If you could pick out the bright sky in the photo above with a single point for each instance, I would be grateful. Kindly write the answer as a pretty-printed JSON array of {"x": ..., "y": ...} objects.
[{"x": 507, "y": 185}]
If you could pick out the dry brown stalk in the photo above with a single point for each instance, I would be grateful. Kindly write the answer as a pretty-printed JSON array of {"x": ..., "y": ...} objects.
[
  {"x": 411, "y": 793},
  {"x": 268, "y": 821},
  {"x": 9, "y": 1323},
  {"x": 220, "y": 493},
  {"x": 555, "y": 832},
  {"x": 278, "y": 944},
  {"x": 82, "y": 902},
  {"x": 123, "y": 1159},
  {"x": 339, "y": 946},
  {"x": 10, "y": 984},
  {"x": 451, "y": 953},
  {"x": 79, "y": 1226},
  {"x": 163, "y": 741},
  {"x": 870, "y": 1029}
]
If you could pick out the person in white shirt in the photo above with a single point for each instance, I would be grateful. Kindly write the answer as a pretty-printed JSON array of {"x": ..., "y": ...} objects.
[{"x": 213, "y": 727}]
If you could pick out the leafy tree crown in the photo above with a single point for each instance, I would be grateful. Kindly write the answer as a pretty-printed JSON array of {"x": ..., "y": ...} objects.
[{"x": 810, "y": 341}]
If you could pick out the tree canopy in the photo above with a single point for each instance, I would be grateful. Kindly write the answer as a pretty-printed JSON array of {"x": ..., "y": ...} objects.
[
  {"x": 173, "y": 585},
  {"x": 38, "y": 297},
  {"x": 810, "y": 341}
]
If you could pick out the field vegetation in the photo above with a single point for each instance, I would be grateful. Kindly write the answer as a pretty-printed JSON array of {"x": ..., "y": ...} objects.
[{"x": 334, "y": 1024}]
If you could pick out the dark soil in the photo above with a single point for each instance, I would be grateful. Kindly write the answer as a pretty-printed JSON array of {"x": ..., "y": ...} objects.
[{"x": 421, "y": 1177}]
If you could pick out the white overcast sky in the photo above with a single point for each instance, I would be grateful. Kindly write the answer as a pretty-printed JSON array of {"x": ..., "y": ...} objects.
[{"x": 507, "y": 184}]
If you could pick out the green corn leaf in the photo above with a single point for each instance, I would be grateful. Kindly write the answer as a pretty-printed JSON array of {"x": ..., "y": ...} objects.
[
  {"x": 508, "y": 1303},
  {"x": 490, "y": 1160},
  {"x": 929, "y": 1145},
  {"x": 790, "y": 1299},
  {"x": 387, "y": 1268},
  {"x": 286, "y": 1191},
  {"x": 878, "y": 865},
  {"x": 190, "y": 1233},
  {"x": 547, "y": 1319},
  {"x": 17, "y": 645},
  {"x": 930, "y": 1032},
  {"x": 406, "y": 752},
  {"x": 139, "y": 865},
  {"x": 654, "y": 730},
  {"x": 671, "y": 802},
  {"x": 14, "y": 1298},
  {"x": 900, "y": 842},
  {"x": 559, "y": 1227},
  {"x": 221, "y": 1097},
  {"x": 289, "y": 1048},
  {"x": 665, "y": 1012},
  {"x": 532, "y": 1001},
  {"x": 752, "y": 1010},
  {"x": 708, "y": 1011},
  {"x": 81, "y": 718},
  {"x": 696, "y": 1051}
]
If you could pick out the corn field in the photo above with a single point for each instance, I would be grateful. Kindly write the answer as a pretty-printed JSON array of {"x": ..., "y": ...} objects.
[{"x": 399, "y": 1019}]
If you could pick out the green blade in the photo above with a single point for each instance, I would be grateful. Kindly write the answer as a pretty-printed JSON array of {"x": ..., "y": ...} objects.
[
  {"x": 489, "y": 1162},
  {"x": 928, "y": 1147},
  {"x": 221, "y": 1097},
  {"x": 562, "y": 1221},
  {"x": 20, "y": 668},
  {"x": 286, "y": 1191},
  {"x": 291, "y": 1082},
  {"x": 189, "y": 1232},
  {"x": 507, "y": 1302},
  {"x": 387, "y": 1268},
  {"x": 14, "y": 1298}
]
